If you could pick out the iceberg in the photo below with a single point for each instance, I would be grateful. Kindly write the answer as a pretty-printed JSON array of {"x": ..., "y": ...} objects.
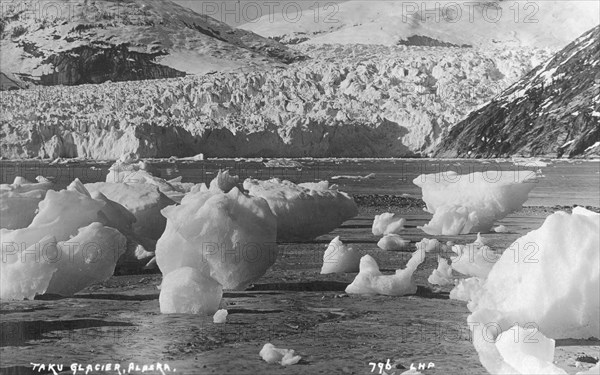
[
  {"x": 67, "y": 238},
  {"x": 538, "y": 280},
  {"x": 371, "y": 281},
  {"x": 87, "y": 258},
  {"x": 186, "y": 290},
  {"x": 471, "y": 203},
  {"x": 220, "y": 316},
  {"x": 227, "y": 236},
  {"x": 285, "y": 357},
  {"x": 19, "y": 202},
  {"x": 387, "y": 223},
  {"x": 339, "y": 258},
  {"x": 466, "y": 289},
  {"x": 304, "y": 211},
  {"x": 224, "y": 181},
  {"x": 392, "y": 242}
]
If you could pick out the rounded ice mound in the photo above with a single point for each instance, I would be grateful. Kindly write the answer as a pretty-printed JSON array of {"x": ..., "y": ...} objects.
[
  {"x": 19, "y": 202},
  {"x": 304, "y": 211},
  {"x": 339, "y": 258},
  {"x": 144, "y": 201},
  {"x": 187, "y": 291},
  {"x": 227, "y": 236},
  {"x": 285, "y": 357},
  {"x": 89, "y": 257},
  {"x": 34, "y": 254},
  {"x": 471, "y": 203},
  {"x": 387, "y": 223},
  {"x": 549, "y": 277}
]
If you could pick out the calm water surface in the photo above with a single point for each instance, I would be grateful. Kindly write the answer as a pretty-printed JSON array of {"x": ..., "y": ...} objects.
[{"x": 565, "y": 182}]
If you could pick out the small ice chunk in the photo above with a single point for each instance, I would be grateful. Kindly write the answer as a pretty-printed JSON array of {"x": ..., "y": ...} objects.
[
  {"x": 304, "y": 211},
  {"x": 442, "y": 275},
  {"x": 463, "y": 204},
  {"x": 392, "y": 242},
  {"x": 220, "y": 316},
  {"x": 285, "y": 357},
  {"x": 187, "y": 291},
  {"x": 501, "y": 229},
  {"x": 387, "y": 223},
  {"x": 339, "y": 258},
  {"x": 371, "y": 281}
]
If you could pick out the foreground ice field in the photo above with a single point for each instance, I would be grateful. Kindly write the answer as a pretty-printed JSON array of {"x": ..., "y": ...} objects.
[{"x": 306, "y": 310}]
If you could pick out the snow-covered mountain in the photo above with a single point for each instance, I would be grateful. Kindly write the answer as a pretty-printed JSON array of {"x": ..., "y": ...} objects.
[
  {"x": 65, "y": 42},
  {"x": 554, "y": 110},
  {"x": 353, "y": 101},
  {"x": 548, "y": 23}
]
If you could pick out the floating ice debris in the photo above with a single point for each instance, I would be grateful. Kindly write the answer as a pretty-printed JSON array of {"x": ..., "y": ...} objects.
[
  {"x": 463, "y": 204},
  {"x": 89, "y": 257},
  {"x": 550, "y": 276},
  {"x": 229, "y": 235},
  {"x": 501, "y": 229},
  {"x": 387, "y": 223},
  {"x": 442, "y": 275},
  {"x": 529, "y": 162},
  {"x": 283, "y": 163},
  {"x": 19, "y": 202},
  {"x": 526, "y": 351},
  {"x": 285, "y": 357},
  {"x": 474, "y": 259},
  {"x": 355, "y": 178},
  {"x": 371, "y": 281},
  {"x": 186, "y": 290},
  {"x": 392, "y": 242},
  {"x": 339, "y": 258},
  {"x": 224, "y": 181},
  {"x": 465, "y": 289},
  {"x": 47, "y": 242},
  {"x": 220, "y": 316},
  {"x": 303, "y": 211},
  {"x": 144, "y": 201}
]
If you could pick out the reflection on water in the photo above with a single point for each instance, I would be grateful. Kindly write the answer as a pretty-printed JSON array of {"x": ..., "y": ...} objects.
[{"x": 565, "y": 182}]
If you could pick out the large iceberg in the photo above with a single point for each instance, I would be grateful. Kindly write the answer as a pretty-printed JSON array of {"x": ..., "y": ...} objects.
[
  {"x": 227, "y": 236},
  {"x": 339, "y": 258},
  {"x": 548, "y": 279},
  {"x": 19, "y": 201},
  {"x": 471, "y": 203},
  {"x": 303, "y": 211},
  {"x": 66, "y": 239}
]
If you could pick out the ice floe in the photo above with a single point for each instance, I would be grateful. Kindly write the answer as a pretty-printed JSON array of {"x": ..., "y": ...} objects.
[
  {"x": 285, "y": 357},
  {"x": 392, "y": 242},
  {"x": 387, "y": 223}
]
